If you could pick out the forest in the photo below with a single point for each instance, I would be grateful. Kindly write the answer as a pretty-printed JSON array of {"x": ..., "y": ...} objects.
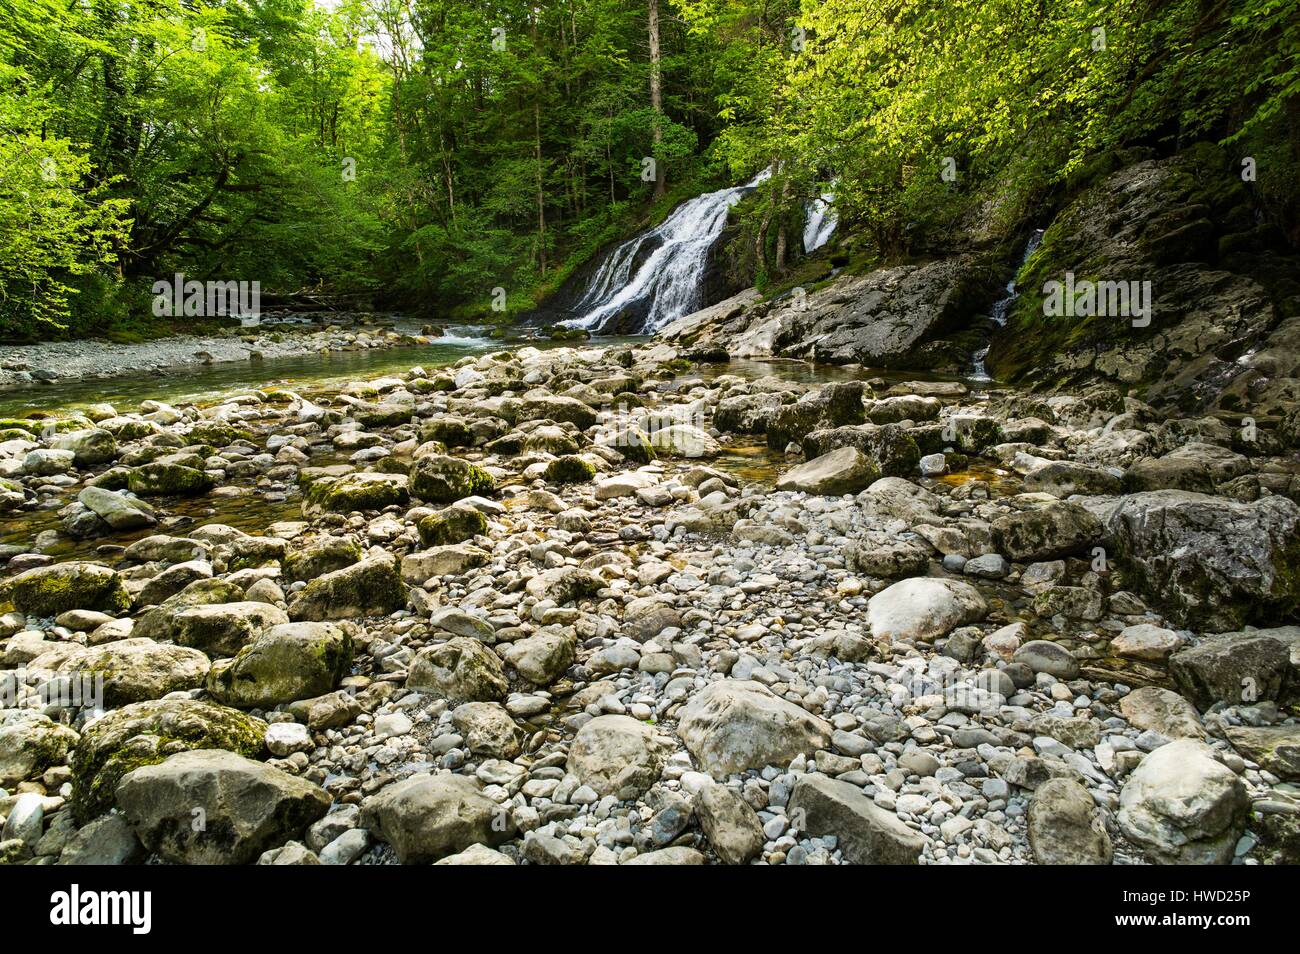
[{"x": 417, "y": 154}]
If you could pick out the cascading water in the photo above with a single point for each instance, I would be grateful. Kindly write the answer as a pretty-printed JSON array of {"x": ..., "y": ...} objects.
[
  {"x": 820, "y": 219},
  {"x": 666, "y": 284},
  {"x": 1002, "y": 306}
]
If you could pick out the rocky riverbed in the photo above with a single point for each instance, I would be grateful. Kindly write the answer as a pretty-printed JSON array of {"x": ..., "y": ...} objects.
[
  {"x": 51, "y": 362},
  {"x": 525, "y": 616}
]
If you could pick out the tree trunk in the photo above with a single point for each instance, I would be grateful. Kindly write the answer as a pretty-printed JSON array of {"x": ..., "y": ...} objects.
[
  {"x": 541, "y": 194},
  {"x": 656, "y": 95}
]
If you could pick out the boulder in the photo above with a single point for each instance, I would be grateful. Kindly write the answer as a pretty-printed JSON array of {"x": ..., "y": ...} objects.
[
  {"x": 30, "y": 743},
  {"x": 1046, "y": 532},
  {"x": 51, "y": 590},
  {"x": 733, "y": 725},
  {"x": 287, "y": 662},
  {"x": 488, "y": 729},
  {"x": 145, "y": 733},
  {"x": 1065, "y": 827},
  {"x": 441, "y": 479},
  {"x": 162, "y": 479},
  {"x": 1275, "y": 748},
  {"x": 843, "y": 471},
  {"x": 1209, "y": 562},
  {"x": 1163, "y": 711},
  {"x": 427, "y": 817},
  {"x": 89, "y": 447},
  {"x": 318, "y": 558},
  {"x": 617, "y": 755},
  {"x": 132, "y": 670},
  {"x": 1235, "y": 668},
  {"x": 119, "y": 511},
  {"x": 222, "y": 629},
  {"x": 867, "y": 834},
  {"x": 372, "y": 587},
  {"x": 357, "y": 492},
  {"x": 210, "y": 806},
  {"x": 459, "y": 670},
  {"x": 731, "y": 825},
  {"x": 923, "y": 608},
  {"x": 541, "y": 659},
  {"x": 455, "y": 524},
  {"x": 1183, "y": 806}
]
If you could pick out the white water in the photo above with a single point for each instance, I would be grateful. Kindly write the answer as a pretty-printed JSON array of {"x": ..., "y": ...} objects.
[
  {"x": 820, "y": 219},
  {"x": 670, "y": 277},
  {"x": 1002, "y": 306}
]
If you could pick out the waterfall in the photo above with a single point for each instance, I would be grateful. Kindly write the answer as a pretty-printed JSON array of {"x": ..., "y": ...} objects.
[
  {"x": 820, "y": 220},
  {"x": 665, "y": 284},
  {"x": 1003, "y": 305}
]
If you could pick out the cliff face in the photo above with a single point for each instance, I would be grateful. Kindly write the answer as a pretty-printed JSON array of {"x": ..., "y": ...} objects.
[{"x": 1221, "y": 332}]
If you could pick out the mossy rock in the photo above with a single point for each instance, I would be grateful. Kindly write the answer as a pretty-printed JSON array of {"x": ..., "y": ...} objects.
[
  {"x": 448, "y": 430},
  {"x": 570, "y": 469},
  {"x": 51, "y": 590},
  {"x": 372, "y": 587},
  {"x": 31, "y": 428},
  {"x": 358, "y": 492},
  {"x": 286, "y": 663},
  {"x": 30, "y": 743},
  {"x": 159, "y": 622},
  {"x": 454, "y": 524},
  {"x": 249, "y": 553},
  {"x": 381, "y": 415},
  {"x": 441, "y": 479},
  {"x": 218, "y": 433},
  {"x": 320, "y": 557},
  {"x": 169, "y": 480},
  {"x": 146, "y": 733}
]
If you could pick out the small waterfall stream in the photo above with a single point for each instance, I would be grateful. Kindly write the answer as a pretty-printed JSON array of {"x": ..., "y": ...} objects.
[
  {"x": 1002, "y": 306},
  {"x": 819, "y": 222},
  {"x": 666, "y": 284}
]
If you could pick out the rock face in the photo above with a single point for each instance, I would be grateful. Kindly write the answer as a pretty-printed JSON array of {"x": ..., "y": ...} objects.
[
  {"x": 426, "y": 818},
  {"x": 1064, "y": 826},
  {"x": 733, "y": 725},
  {"x": 1183, "y": 224},
  {"x": 51, "y": 590},
  {"x": 616, "y": 755},
  {"x": 922, "y": 608},
  {"x": 287, "y": 662},
  {"x": 883, "y": 319},
  {"x": 459, "y": 670},
  {"x": 868, "y": 835},
  {"x": 1210, "y": 563},
  {"x": 372, "y": 587},
  {"x": 210, "y": 806},
  {"x": 843, "y": 471},
  {"x": 146, "y": 733},
  {"x": 1184, "y": 807}
]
